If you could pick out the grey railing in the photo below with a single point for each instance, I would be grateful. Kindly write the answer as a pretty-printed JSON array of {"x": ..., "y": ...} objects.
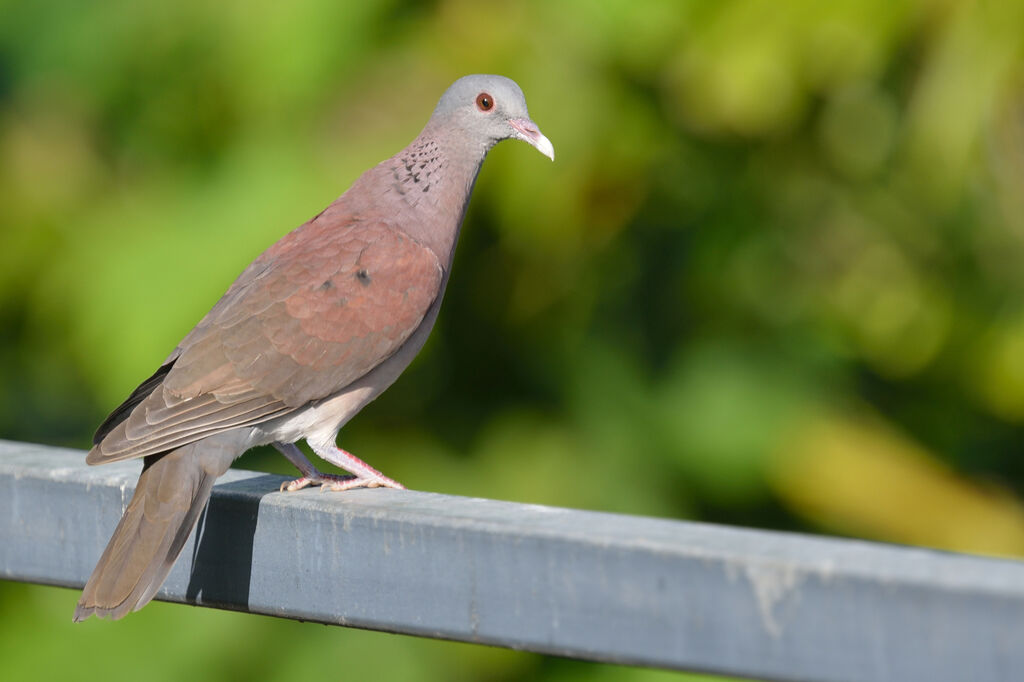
[{"x": 588, "y": 585}]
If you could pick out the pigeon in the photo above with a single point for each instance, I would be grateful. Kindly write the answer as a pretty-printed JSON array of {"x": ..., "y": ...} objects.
[{"x": 315, "y": 328}]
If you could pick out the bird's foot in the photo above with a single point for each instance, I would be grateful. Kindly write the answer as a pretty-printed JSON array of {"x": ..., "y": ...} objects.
[
  {"x": 351, "y": 482},
  {"x": 364, "y": 475},
  {"x": 317, "y": 478}
]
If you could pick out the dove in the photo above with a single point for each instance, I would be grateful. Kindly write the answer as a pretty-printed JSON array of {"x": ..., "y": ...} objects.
[{"x": 315, "y": 328}]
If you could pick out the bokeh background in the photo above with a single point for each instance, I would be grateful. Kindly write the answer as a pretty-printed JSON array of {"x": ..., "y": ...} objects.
[{"x": 775, "y": 277}]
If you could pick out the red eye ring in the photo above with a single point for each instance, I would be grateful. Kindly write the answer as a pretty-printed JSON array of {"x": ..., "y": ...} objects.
[{"x": 484, "y": 102}]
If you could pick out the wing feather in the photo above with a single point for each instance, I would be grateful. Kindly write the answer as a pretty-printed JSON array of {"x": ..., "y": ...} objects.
[{"x": 317, "y": 311}]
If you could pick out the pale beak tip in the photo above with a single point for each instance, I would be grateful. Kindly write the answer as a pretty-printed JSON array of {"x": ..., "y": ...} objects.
[{"x": 545, "y": 147}]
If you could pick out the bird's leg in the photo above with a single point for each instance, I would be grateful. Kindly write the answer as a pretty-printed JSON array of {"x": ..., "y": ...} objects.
[
  {"x": 365, "y": 475},
  {"x": 310, "y": 474}
]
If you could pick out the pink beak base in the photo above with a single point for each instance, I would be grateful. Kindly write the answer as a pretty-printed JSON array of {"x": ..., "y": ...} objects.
[{"x": 527, "y": 131}]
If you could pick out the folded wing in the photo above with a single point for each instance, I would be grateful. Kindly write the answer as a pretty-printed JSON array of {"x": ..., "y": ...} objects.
[{"x": 317, "y": 311}]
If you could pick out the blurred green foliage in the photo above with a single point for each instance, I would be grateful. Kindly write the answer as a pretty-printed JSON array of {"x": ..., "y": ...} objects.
[{"x": 775, "y": 277}]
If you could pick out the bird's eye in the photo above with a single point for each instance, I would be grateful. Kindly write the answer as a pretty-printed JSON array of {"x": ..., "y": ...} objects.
[{"x": 484, "y": 102}]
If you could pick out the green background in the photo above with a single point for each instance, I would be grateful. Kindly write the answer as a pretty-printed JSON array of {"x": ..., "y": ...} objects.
[{"x": 775, "y": 277}]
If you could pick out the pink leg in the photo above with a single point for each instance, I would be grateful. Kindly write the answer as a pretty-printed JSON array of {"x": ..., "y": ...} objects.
[
  {"x": 310, "y": 474},
  {"x": 365, "y": 475}
]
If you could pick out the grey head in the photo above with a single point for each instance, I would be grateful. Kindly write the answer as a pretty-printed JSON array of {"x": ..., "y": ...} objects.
[{"x": 487, "y": 109}]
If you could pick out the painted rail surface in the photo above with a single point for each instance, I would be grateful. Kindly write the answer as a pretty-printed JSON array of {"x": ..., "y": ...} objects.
[{"x": 582, "y": 584}]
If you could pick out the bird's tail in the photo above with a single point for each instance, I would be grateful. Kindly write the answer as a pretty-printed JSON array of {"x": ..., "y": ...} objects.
[{"x": 171, "y": 493}]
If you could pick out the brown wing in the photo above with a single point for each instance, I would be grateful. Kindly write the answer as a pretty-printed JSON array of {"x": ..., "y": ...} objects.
[{"x": 318, "y": 310}]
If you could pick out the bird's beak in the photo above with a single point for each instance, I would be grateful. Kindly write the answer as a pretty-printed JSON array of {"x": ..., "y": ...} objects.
[{"x": 526, "y": 130}]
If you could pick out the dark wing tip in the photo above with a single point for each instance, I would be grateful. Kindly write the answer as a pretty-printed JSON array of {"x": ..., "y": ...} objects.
[{"x": 123, "y": 410}]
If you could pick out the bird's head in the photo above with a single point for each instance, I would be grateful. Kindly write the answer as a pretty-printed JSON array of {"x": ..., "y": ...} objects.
[{"x": 488, "y": 109}]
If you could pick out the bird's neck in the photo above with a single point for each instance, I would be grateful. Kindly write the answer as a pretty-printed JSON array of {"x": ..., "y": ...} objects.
[{"x": 429, "y": 182}]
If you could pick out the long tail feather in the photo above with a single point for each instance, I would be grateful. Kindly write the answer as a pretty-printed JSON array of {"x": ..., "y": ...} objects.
[{"x": 172, "y": 491}]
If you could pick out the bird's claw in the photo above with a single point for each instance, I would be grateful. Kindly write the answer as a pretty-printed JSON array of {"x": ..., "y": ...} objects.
[
  {"x": 354, "y": 482},
  {"x": 319, "y": 479},
  {"x": 297, "y": 484},
  {"x": 336, "y": 483}
]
